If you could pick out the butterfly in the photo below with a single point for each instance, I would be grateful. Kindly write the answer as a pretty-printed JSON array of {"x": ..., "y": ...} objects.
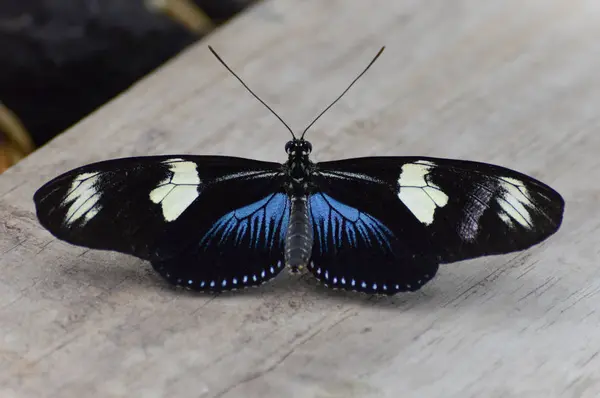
[{"x": 378, "y": 225}]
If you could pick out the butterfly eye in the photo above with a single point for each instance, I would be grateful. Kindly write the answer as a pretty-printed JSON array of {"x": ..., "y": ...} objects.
[
  {"x": 288, "y": 146},
  {"x": 307, "y": 147}
]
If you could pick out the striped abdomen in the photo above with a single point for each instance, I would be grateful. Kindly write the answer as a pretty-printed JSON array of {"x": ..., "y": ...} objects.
[{"x": 299, "y": 236}]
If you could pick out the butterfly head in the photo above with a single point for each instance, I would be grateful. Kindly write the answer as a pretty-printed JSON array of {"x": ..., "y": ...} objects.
[{"x": 298, "y": 148}]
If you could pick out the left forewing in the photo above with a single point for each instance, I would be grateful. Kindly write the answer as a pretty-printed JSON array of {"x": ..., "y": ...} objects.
[{"x": 130, "y": 205}]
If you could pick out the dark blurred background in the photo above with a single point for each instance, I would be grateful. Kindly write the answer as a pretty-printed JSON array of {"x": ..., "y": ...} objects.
[{"x": 63, "y": 59}]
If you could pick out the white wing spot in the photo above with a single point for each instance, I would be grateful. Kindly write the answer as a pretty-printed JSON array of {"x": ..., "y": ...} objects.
[
  {"x": 514, "y": 202},
  {"x": 420, "y": 196},
  {"x": 82, "y": 198},
  {"x": 158, "y": 194},
  {"x": 507, "y": 220},
  {"x": 179, "y": 190},
  {"x": 91, "y": 213},
  {"x": 513, "y": 181}
]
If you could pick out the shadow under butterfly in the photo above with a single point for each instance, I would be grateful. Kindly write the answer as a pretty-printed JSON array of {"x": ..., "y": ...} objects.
[{"x": 375, "y": 224}]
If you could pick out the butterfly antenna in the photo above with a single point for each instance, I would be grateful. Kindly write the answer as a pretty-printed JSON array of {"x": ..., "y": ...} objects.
[
  {"x": 345, "y": 91},
  {"x": 251, "y": 92}
]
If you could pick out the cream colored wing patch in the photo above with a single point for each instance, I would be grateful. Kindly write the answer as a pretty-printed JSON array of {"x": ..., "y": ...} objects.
[
  {"x": 417, "y": 193},
  {"x": 178, "y": 190}
]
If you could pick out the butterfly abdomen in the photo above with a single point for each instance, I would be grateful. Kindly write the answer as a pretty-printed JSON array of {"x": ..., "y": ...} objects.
[{"x": 299, "y": 236}]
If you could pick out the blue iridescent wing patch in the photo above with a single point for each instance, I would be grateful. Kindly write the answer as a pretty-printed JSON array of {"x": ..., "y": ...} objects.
[
  {"x": 337, "y": 225},
  {"x": 258, "y": 225}
]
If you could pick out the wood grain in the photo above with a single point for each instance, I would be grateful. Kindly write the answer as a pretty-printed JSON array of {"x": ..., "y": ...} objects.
[{"x": 508, "y": 82}]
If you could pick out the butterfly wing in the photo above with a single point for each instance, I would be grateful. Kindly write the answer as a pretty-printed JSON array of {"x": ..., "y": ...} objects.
[
  {"x": 206, "y": 222},
  {"x": 429, "y": 210},
  {"x": 367, "y": 247}
]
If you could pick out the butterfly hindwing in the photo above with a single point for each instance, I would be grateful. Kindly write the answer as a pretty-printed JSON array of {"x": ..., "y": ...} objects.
[
  {"x": 357, "y": 247},
  {"x": 436, "y": 211},
  {"x": 200, "y": 220},
  {"x": 243, "y": 247}
]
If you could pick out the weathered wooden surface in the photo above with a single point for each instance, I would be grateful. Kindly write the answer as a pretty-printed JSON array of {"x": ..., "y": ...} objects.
[{"x": 509, "y": 82}]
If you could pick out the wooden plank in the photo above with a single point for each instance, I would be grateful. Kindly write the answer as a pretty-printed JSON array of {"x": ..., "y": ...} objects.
[{"x": 508, "y": 82}]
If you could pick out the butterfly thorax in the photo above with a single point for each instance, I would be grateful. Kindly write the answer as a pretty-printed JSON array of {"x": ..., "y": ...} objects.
[{"x": 298, "y": 168}]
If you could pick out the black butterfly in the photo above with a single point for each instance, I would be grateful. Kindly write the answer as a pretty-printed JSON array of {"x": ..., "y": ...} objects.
[{"x": 376, "y": 224}]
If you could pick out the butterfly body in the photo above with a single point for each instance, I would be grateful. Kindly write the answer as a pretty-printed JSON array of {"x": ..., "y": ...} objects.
[
  {"x": 378, "y": 225},
  {"x": 299, "y": 236}
]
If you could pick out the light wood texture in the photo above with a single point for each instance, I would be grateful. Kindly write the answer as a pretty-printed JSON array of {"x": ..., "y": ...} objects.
[{"x": 516, "y": 83}]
